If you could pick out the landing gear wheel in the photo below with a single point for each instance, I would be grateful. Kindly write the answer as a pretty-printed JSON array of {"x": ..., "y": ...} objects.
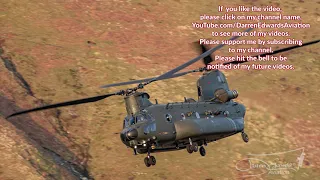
[
  {"x": 245, "y": 137},
  {"x": 189, "y": 149},
  {"x": 146, "y": 162},
  {"x": 152, "y": 160},
  {"x": 202, "y": 151},
  {"x": 194, "y": 147}
]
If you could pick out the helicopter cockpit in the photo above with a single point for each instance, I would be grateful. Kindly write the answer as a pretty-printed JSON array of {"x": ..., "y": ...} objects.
[
  {"x": 144, "y": 117},
  {"x": 134, "y": 119}
]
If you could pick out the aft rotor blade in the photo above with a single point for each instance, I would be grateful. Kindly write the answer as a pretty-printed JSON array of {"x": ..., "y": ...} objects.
[
  {"x": 274, "y": 52},
  {"x": 67, "y": 103},
  {"x": 202, "y": 48},
  {"x": 146, "y": 80},
  {"x": 207, "y": 59},
  {"x": 210, "y": 51}
]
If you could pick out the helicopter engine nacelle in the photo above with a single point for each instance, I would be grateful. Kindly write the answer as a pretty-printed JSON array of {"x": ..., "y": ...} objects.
[
  {"x": 225, "y": 95},
  {"x": 209, "y": 83},
  {"x": 137, "y": 102}
]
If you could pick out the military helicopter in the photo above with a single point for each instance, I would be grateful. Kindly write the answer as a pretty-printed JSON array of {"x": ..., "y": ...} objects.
[{"x": 191, "y": 124}]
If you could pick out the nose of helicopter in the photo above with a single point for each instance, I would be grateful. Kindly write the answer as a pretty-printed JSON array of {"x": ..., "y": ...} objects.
[
  {"x": 132, "y": 134},
  {"x": 129, "y": 135}
]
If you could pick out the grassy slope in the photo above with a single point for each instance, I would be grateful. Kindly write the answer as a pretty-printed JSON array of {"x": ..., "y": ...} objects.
[{"x": 136, "y": 39}]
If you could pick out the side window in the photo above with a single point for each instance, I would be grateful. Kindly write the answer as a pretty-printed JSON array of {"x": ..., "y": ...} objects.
[
  {"x": 199, "y": 91},
  {"x": 146, "y": 129},
  {"x": 183, "y": 116},
  {"x": 153, "y": 127},
  {"x": 219, "y": 79},
  {"x": 148, "y": 117},
  {"x": 197, "y": 115},
  {"x": 150, "y": 127},
  {"x": 168, "y": 117},
  {"x": 140, "y": 118},
  {"x": 132, "y": 120}
]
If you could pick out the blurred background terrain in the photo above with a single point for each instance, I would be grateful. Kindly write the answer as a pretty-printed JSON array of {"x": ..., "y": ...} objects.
[{"x": 64, "y": 50}]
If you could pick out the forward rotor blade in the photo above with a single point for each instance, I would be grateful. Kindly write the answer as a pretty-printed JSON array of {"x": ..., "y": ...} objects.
[
  {"x": 67, "y": 103},
  {"x": 274, "y": 52},
  {"x": 147, "y": 79},
  {"x": 171, "y": 72},
  {"x": 126, "y": 83}
]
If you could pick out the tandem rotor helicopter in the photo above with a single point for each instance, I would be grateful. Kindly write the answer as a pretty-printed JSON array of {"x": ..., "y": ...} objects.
[{"x": 190, "y": 124}]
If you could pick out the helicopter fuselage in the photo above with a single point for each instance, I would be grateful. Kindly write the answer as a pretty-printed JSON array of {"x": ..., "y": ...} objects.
[{"x": 174, "y": 125}]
